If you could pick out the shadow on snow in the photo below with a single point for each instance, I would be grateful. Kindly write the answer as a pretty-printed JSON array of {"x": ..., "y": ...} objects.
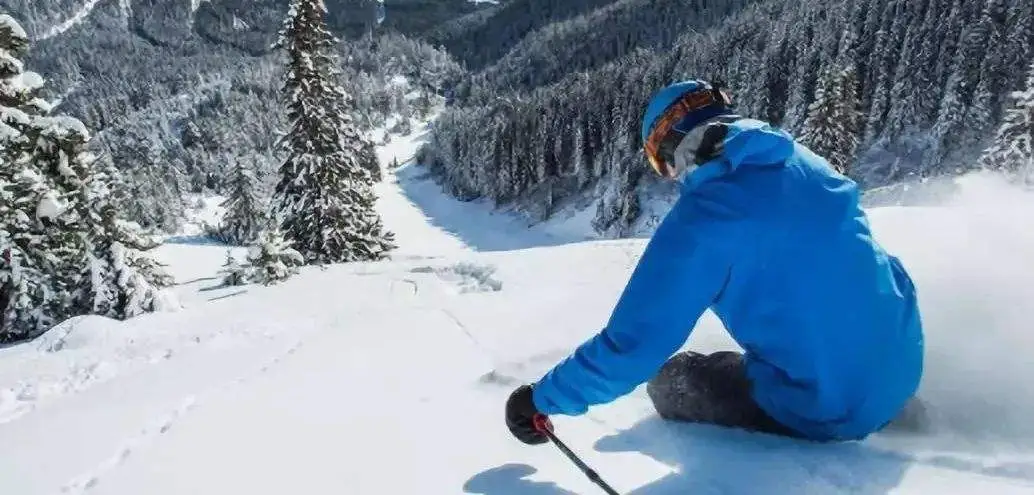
[
  {"x": 194, "y": 240},
  {"x": 715, "y": 459},
  {"x": 509, "y": 480},
  {"x": 476, "y": 223},
  {"x": 711, "y": 459}
]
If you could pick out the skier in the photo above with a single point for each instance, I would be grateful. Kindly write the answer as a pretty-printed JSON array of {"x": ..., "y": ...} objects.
[{"x": 772, "y": 239}]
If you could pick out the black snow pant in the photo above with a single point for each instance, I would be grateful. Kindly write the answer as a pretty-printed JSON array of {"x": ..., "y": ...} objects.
[{"x": 712, "y": 389}]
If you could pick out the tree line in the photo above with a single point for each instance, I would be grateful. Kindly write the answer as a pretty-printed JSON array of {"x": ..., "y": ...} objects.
[{"x": 916, "y": 88}]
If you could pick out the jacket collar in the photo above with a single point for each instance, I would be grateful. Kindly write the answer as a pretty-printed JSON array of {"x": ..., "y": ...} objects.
[{"x": 747, "y": 143}]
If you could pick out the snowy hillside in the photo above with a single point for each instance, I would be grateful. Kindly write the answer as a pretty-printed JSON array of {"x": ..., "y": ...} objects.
[{"x": 391, "y": 377}]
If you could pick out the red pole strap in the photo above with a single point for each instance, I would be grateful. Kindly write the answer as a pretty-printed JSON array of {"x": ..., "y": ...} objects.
[{"x": 542, "y": 423}]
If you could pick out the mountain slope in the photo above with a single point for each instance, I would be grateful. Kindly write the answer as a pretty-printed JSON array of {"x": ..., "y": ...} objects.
[
  {"x": 549, "y": 124},
  {"x": 595, "y": 38},
  {"x": 483, "y": 37},
  {"x": 248, "y": 25},
  {"x": 390, "y": 377}
]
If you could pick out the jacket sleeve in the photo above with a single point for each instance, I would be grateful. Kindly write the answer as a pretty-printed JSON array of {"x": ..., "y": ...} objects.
[{"x": 675, "y": 281}]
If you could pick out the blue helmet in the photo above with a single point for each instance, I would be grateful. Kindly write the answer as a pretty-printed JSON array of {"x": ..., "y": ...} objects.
[{"x": 663, "y": 99}]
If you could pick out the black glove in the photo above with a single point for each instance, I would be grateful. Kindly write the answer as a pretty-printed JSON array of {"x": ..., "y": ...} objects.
[{"x": 524, "y": 420}]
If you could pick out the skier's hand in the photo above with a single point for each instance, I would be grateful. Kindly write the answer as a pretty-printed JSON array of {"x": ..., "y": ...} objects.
[{"x": 524, "y": 420}]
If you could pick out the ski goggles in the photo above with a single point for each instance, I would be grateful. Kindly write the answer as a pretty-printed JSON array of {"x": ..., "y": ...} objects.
[{"x": 666, "y": 135}]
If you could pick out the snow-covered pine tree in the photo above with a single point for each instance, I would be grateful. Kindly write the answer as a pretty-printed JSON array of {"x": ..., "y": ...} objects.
[
  {"x": 832, "y": 126},
  {"x": 370, "y": 161},
  {"x": 123, "y": 281},
  {"x": 271, "y": 258},
  {"x": 30, "y": 298},
  {"x": 27, "y": 304},
  {"x": 323, "y": 200},
  {"x": 1012, "y": 150},
  {"x": 68, "y": 251},
  {"x": 245, "y": 210},
  {"x": 233, "y": 272}
]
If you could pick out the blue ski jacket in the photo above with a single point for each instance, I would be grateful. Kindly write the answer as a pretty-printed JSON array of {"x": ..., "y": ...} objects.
[{"x": 772, "y": 240}]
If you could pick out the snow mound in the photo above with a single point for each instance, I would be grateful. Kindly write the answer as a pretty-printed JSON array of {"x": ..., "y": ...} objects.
[
  {"x": 93, "y": 333},
  {"x": 81, "y": 332}
]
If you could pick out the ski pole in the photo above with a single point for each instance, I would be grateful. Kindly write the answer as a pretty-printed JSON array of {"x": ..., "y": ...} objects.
[{"x": 544, "y": 426}]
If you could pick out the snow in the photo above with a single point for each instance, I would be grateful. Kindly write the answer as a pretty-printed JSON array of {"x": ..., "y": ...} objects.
[
  {"x": 391, "y": 377},
  {"x": 399, "y": 80},
  {"x": 196, "y": 258},
  {"x": 206, "y": 211},
  {"x": 12, "y": 25},
  {"x": 126, "y": 6},
  {"x": 50, "y": 206},
  {"x": 71, "y": 22},
  {"x": 64, "y": 127},
  {"x": 26, "y": 81},
  {"x": 194, "y": 5},
  {"x": 10, "y": 63}
]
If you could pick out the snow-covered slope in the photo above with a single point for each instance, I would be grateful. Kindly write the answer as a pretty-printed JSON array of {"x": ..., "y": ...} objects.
[{"x": 391, "y": 377}]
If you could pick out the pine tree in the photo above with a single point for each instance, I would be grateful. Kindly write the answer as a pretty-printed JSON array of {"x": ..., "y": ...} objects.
[
  {"x": 31, "y": 300},
  {"x": 67, "y": 252},
  {"x": 245, "y": 212},
  {"x": 831, "y": 128},
  {"x": 323, "y": 201},
  {"x": 1012, "y": 150},
  {"x": 122, "y": 281},
  {"x": 370, "y": 161},
  {"x": 233, "y": 272},
  {"x": 271, "y": 258},
  {"x": 1019, "y": 34}
]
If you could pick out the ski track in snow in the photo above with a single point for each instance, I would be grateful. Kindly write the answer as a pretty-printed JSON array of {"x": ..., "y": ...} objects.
[
  {"x": 73, "y": 21},
  {"x": 161, "y": 425}
]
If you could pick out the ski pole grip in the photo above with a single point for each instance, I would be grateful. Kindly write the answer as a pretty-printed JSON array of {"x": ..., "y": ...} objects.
[{"x": 542, "y": 423}]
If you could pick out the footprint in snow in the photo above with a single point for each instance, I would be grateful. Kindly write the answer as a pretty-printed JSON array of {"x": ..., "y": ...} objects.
[{"x": 90, "y": 479}]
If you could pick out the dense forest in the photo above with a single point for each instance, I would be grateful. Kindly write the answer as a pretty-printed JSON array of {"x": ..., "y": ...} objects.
[{"x": 931, "y": 80}]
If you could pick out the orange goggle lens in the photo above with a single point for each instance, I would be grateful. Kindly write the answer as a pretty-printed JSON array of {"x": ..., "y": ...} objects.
[{"x": 660, "y": 166}]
